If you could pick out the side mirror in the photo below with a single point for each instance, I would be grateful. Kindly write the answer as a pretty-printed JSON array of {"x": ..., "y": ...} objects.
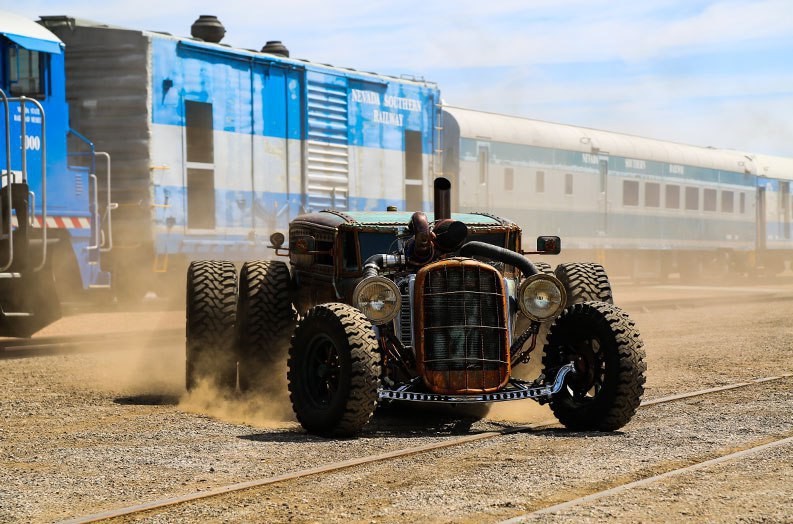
[{"x": 549, "y": 245}]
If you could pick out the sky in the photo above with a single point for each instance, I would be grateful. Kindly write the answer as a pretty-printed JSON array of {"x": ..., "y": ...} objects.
[{"x": 708, "y": 73}]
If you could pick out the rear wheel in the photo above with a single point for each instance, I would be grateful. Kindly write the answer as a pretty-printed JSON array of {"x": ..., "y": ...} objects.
[
  {"x": 608, "y": 383},
  {"x": 585, "y": 282},
  {"x": 211, "y": 316},
  {"x": 265, "y": 319},
  {"x": 334, "y": 370}
]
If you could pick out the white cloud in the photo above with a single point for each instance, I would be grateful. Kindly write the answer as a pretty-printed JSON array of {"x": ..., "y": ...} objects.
[{"x": 516, "y": 39}]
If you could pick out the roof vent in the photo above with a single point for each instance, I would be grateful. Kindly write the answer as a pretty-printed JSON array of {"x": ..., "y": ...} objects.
[
  {"x": 275, "y": 47},
  {"x": 208, "y": 28}
]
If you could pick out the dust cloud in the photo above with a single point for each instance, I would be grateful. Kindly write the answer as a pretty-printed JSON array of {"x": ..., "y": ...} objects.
[
  {"x": 266, "y": 405},
  {"x": 144, "y": 370}
]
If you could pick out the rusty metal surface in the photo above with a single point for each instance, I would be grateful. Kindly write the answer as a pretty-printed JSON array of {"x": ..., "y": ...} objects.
[{"x": 476, "y": 379}]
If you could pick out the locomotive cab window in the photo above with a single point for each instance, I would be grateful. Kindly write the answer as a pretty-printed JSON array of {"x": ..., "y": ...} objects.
[{"x": 24, "y": 72}]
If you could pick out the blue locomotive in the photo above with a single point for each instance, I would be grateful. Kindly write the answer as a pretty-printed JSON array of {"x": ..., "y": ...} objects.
[{"x": 49, "y": 230}]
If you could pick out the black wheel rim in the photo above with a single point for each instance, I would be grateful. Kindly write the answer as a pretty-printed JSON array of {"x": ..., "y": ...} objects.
[
  {"x": 322, "y": 371},
  {"x": 590, "y": 370}
]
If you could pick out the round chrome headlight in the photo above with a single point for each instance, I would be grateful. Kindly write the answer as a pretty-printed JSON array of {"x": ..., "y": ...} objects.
[
  {"x": 541, "y": 297},
  {"x": 378, "y": 298}
]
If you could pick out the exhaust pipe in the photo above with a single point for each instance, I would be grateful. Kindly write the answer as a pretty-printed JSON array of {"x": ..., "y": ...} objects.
[{"x": 443, "y": 198}]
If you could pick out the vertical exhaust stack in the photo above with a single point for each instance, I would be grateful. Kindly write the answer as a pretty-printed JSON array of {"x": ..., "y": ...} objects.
[{"x": 443, "y": 198}]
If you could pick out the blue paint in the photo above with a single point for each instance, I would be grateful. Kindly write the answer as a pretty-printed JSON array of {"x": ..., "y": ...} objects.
[
  {"x": 527, "y": 155},
  {"x": 258, "y": 94}
]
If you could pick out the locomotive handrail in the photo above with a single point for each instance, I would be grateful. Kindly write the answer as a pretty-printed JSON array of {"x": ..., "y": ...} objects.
[
  {"x": 23, "y": 100},
  {"x": 6, "y": 108},
  {"x": 94, "y": 211},
  {"x": 35, "y": 102},
  {"x": 110, "y": 206}
]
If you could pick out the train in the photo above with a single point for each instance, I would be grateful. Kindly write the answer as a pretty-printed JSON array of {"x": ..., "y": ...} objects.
[
  {"x": 144, "y": 151},
  {"x": 643, "y": 208}
]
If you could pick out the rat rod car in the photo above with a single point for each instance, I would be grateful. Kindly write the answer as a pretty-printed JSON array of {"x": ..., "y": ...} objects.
[{"x": 395, "y": 307}]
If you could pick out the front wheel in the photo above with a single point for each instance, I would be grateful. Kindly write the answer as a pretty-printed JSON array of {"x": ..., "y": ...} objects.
[
  {"x": 608, "y": 383},
  {"x": 334, "y": 370}
]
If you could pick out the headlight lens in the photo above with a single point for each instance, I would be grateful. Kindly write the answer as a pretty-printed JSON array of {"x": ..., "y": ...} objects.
[
  {"x": 378, "y": 298},
  {"x": 541, "y": 297}
]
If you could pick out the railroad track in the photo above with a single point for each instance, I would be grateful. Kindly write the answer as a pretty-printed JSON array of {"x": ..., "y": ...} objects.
[
  {"x": 14, "y": 348},
  {"x": 415, "y": 450}
]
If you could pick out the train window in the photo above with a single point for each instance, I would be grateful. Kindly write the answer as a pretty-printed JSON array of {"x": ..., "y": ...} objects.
[
  {"x": 509, "y": 179},
  {"x": 200, "y": 199},
  {"x": 198, "y": 121},
  {"x": 540, "y": 183},
  {"x": 24, "y": 72},
  {"x": 652, "y": 194},
  {"x": 710, "y": 199},
  {"x": 568, "y": 184},
  {"x": 483, "y": 161},
  {"x": 672, "y": 197},
  {"x": 692, "y": 198},
  {"x": 742, "y": 203},
  {"x": 727, "y": 202},
  {"x": 630, "y": 193}
]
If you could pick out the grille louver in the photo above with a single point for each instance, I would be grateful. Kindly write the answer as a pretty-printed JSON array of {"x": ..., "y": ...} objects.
[{"x": 461, "y": 342}]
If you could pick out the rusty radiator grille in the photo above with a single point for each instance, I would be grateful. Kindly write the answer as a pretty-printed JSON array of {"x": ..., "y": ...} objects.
[{"x": 462, "y": 327}]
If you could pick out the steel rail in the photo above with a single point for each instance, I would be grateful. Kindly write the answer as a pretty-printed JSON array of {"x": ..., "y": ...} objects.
[
  {"x": 369, "y": 459},
  {"x": 649, "y": 480},
  {"x": 13, "y": 348}
]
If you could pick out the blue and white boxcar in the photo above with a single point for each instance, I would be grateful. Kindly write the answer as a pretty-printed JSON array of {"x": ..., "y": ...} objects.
[
  {"x": 214, "y": 148},
  {"x": 641, "y": 206}
]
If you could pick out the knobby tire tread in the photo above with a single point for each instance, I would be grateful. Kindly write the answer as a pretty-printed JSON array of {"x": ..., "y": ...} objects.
[
  {"x": 616, "y": 406},
  {"x": 210, "y": 322},
  {"x": 365, "y": 369}
]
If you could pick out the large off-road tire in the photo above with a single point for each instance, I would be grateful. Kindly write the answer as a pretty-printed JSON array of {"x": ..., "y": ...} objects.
[
  {"x": 211, "y": 317},
  {"x": 265, "y": 320},
  {"x": 334, "y": 370},
  {"x": 608, "y": 384},
  {"x": 543, "y": 267},
  {"x": 585, "y": 282}
]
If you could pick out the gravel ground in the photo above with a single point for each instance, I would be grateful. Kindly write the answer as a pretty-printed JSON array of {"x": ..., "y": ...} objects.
[{"x": 84, "y": 433}]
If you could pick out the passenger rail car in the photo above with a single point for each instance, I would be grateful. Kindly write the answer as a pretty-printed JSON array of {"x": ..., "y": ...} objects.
[
  {"x": 640, "y": 206},
  {"x": 214, "y": 147}
]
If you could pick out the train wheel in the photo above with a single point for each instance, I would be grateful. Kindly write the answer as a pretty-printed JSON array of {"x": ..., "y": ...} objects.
[
  {"x": 585, "y": 282},
  {"x": 211, "y": 317},
  {"x": 334, "y": 370},
  {"x": 265, "y": 319},
  {"x": 608, "y": 383}
]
